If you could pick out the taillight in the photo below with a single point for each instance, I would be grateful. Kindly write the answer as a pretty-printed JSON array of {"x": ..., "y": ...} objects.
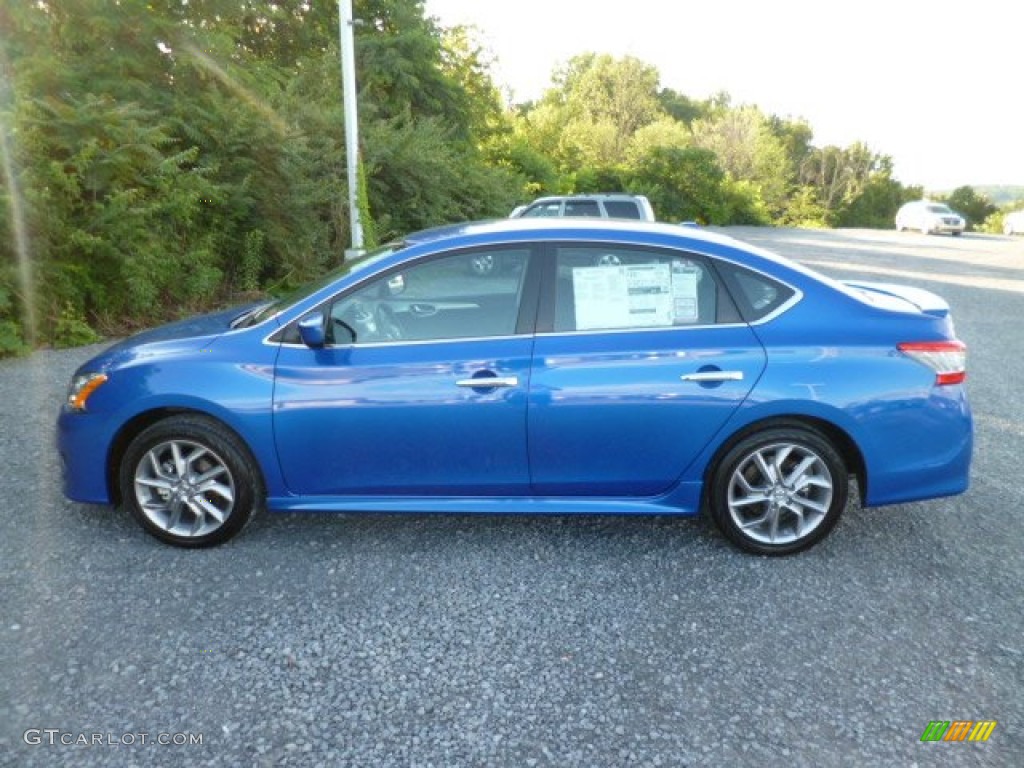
[{"x": 947, "y": 358}]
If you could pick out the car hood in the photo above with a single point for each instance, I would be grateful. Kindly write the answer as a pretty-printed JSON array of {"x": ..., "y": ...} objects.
[
  {"x": 189, "y": 334},
  {"x": 898, "y": 297}
]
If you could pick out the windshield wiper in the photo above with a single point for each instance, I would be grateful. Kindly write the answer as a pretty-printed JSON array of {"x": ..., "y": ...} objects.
[{"x": 251, "y": 317}]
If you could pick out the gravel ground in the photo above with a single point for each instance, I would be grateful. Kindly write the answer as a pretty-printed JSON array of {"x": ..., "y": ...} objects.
[{"x": 342, "y": 640}]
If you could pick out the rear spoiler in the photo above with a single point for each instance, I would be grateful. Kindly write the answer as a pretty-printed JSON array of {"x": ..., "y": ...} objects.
[{"x": 925, "y": 301}]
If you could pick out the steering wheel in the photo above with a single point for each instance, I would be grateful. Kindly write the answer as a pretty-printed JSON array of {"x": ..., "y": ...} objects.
[{"x": 387, "y": 324}]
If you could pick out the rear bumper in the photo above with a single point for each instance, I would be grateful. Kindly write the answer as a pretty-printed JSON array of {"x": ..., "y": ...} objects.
[{"x": 924, "y": 455}]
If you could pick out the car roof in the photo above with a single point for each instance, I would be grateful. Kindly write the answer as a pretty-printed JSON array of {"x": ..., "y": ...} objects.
[
  {"x": 564, "y": 228},
  {"x": 589, "y": 196}
]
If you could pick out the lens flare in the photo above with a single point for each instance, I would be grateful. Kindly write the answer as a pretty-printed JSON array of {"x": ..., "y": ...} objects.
[{"x": 16, "y": 205}]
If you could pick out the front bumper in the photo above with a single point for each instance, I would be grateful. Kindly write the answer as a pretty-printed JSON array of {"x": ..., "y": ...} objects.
[{"x": 83, "y": 443}]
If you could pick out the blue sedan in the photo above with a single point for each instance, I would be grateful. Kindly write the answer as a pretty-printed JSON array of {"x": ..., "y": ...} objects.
[{"x": 594, "y": 367}]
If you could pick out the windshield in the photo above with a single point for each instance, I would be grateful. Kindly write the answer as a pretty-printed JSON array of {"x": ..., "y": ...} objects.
[
  {"x": 271, "y": 308},
  {"x": 939, "y": 209}
]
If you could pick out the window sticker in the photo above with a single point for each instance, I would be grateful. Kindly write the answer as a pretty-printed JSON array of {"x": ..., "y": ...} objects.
[
  {"x": 636, "y": 295},
  {"x": 685, "y": 275},
  {"x": 633, "y": 296}
]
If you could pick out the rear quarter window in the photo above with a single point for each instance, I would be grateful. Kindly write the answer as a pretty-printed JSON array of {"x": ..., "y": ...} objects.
[{"x": 756, "y": 295}]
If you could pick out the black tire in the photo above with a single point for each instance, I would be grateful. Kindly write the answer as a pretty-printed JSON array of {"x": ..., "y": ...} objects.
[
  {"x": 190, "y": 481},
  {"x": 744, "y": 501}
]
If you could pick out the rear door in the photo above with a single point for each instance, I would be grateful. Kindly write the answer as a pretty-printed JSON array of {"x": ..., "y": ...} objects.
[{"x": 640, "y": 359}]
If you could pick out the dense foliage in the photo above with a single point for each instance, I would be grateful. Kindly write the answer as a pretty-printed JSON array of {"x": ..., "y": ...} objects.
[{"x": 162, "y": 156}]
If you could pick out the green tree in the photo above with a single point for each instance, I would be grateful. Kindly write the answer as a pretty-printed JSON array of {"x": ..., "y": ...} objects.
[
  {"x": 838, "y": 176},
  {"x": 876, "y": 205},
  {"x": 975, "y": 207},
  {"x": 596, "y": 106},
  {"x": 681, "y": 108},
  {"x": 683, "y": 184},
  {"x": 748, "y": 151},
  {"x": 177, "y": 154},
  {"x": 666, "y": 132}
]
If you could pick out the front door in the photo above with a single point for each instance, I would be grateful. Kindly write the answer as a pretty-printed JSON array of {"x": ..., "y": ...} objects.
[{"x": 422, "y": 389}]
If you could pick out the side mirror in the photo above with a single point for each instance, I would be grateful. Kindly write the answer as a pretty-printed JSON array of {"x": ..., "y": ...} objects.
[
  {"x": 396, "y": 284},
  {"x": 311, "y": 330}
]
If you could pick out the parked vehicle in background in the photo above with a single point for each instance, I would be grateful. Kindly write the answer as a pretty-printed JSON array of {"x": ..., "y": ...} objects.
[
  {"x": 604, "y": 206},
  {"x": 1013, "y": 223},
  {"x": 613, "y": 367},
  {"x": 929, "y": 217}
]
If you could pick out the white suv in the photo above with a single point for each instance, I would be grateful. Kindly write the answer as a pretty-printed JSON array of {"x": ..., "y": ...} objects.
[
  {"x": 636, "y": 207},
  {"x": 928, "y": 217}
]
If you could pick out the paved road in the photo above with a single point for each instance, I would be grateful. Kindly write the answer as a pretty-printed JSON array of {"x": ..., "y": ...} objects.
[{"x": 458, "y": 641}]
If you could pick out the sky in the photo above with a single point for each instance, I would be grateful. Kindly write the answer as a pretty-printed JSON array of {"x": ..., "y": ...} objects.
[{"x": 938, "y": 86}]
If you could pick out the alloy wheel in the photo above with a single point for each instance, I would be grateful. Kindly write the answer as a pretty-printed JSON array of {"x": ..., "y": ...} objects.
[{"x": 184, "y": 488}]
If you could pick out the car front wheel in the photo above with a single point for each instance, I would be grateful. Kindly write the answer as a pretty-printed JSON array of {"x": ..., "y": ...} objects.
[
  {"x": 189, "y": 481},
  {"x": 778, "y": 491}
]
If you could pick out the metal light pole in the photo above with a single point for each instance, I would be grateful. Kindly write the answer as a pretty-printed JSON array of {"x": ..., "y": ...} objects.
[{"x": 348, "y": 88}]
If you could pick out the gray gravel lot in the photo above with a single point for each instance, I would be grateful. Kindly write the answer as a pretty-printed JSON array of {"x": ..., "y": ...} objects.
[{"x": 342, "y": 640}]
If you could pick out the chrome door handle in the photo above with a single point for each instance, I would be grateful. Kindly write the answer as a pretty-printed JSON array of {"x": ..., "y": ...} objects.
[
  {"x": 706, "y": 376},
  {"x": 489, "y": 382}
]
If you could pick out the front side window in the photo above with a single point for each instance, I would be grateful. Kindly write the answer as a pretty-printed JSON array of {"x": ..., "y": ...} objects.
[
  {"x": 543, "y": 210},
  {"x": 445, "y": 298},
  {"x": 607, "y": 288}
]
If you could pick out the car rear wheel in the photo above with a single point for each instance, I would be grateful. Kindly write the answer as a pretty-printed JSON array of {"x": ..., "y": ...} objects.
[
  {"x": 190, "y": 482},
  {"x": 778, "y": 491}
]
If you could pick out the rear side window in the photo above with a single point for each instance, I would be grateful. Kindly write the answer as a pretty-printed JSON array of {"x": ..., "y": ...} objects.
[
  {"x": 610, "y": 288},
  {"x": 757, "y": 296},
  {"x": 582, "y": 208},
  {"x": 622, "y": 209}
]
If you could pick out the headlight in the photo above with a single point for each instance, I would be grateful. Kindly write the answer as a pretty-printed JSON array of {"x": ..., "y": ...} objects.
[{"x": 82, "y": 387}]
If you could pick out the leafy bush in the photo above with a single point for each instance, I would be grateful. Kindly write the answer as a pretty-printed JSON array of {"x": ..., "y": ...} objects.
[{"x": 12, "y": 338}]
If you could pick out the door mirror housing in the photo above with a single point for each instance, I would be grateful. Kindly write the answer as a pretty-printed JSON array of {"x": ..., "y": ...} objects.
[
  {"x": 311, "y": 330},
  {"x": 396, "y": 284}
]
